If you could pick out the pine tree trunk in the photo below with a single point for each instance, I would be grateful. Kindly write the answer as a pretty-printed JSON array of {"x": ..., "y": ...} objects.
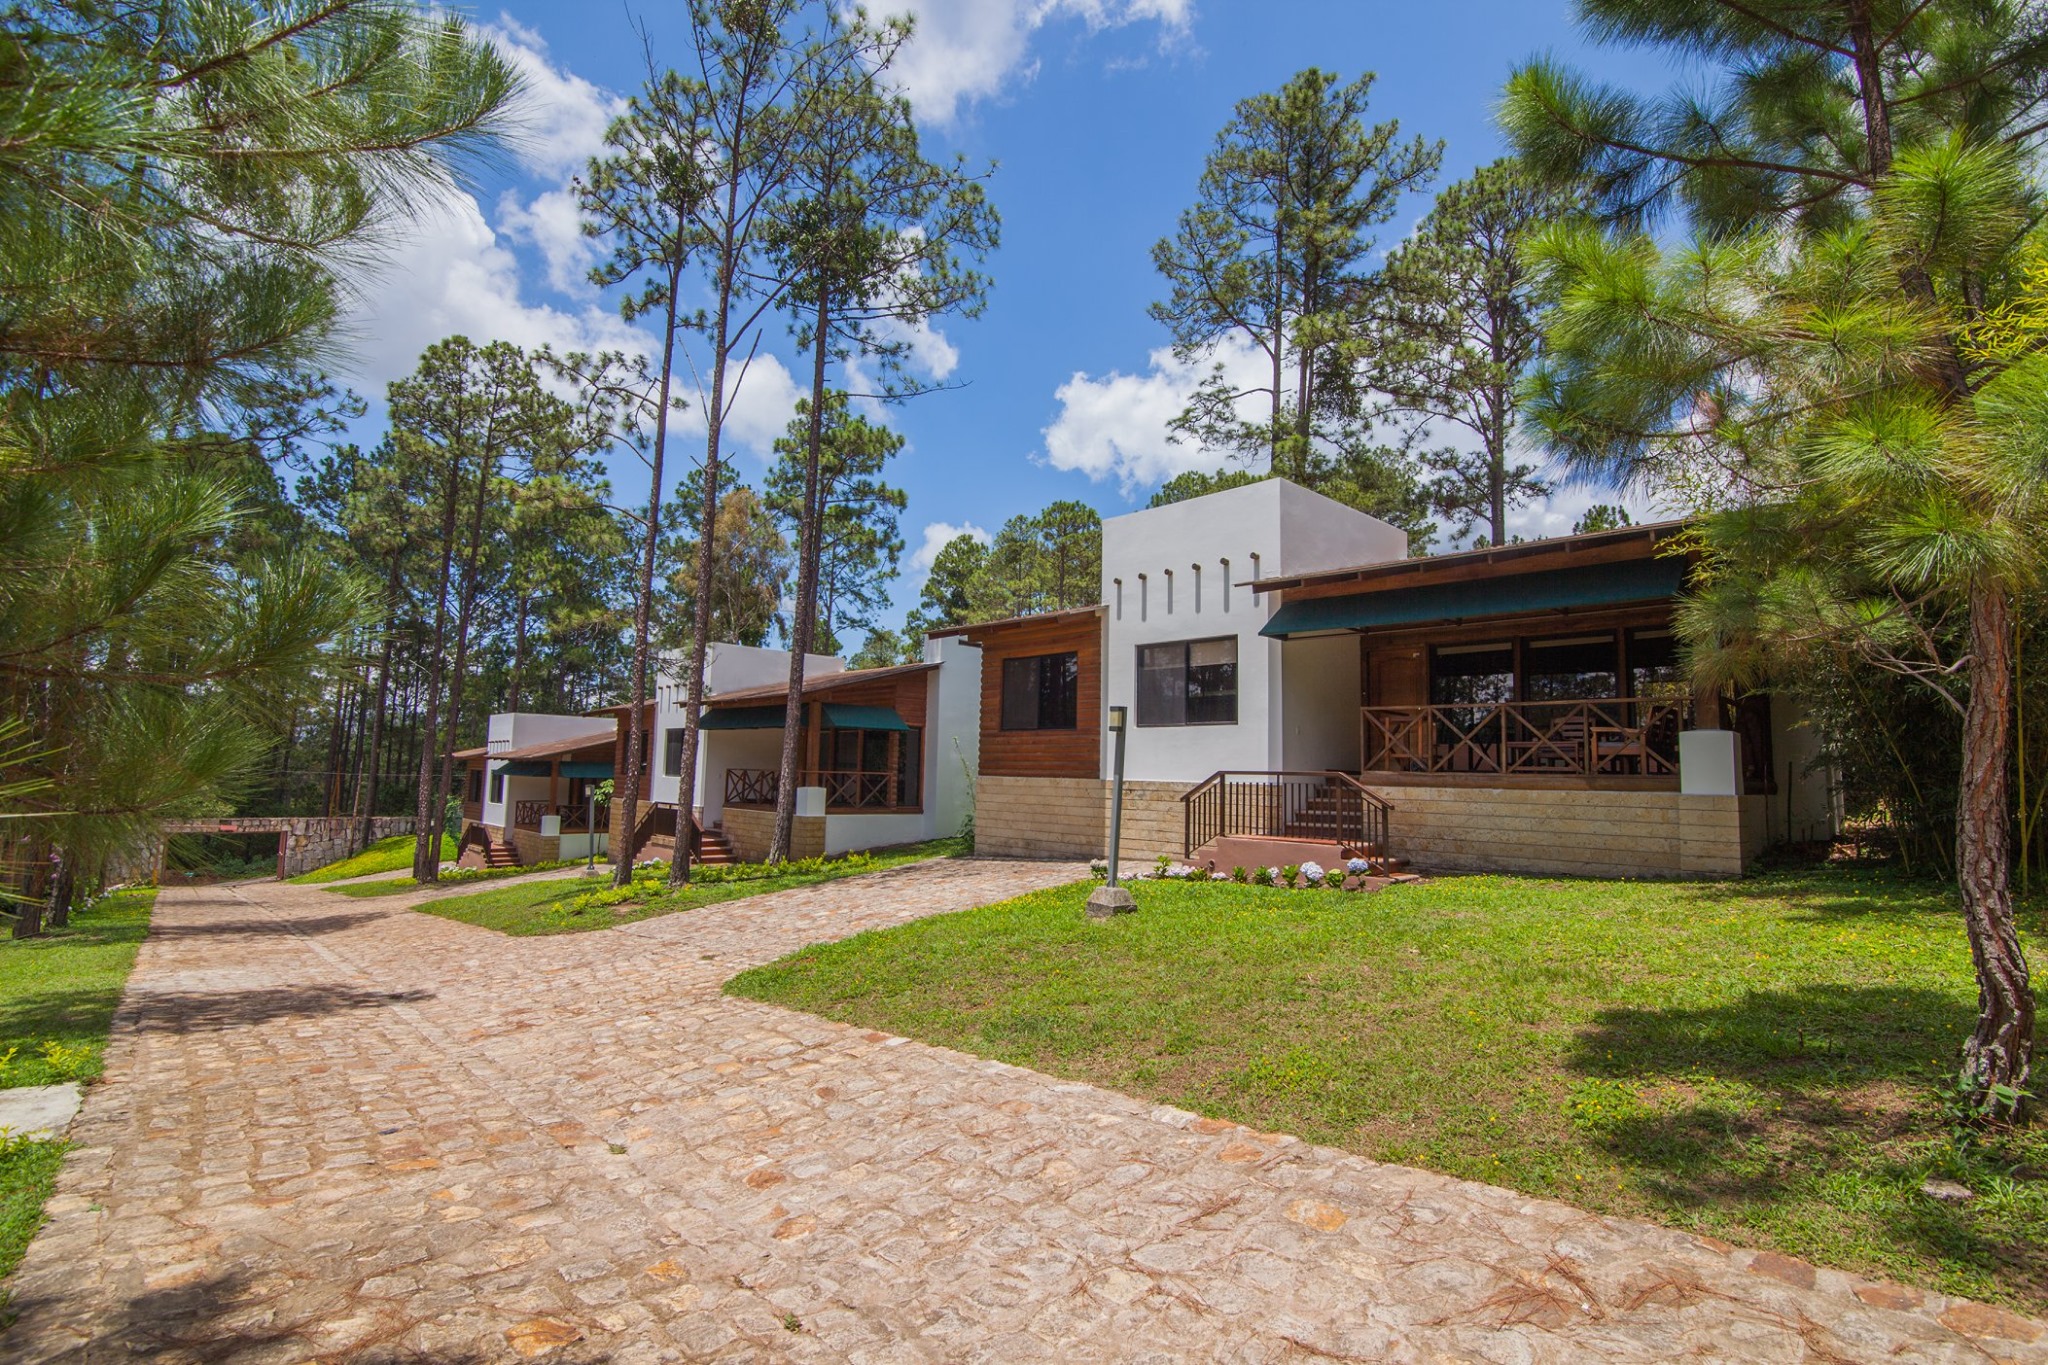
[
  {"x": 626, "y": 788},
  {"x": 2000, "y": 1051},
  {"x": 512, "y": 697},
  {"x": 804, "y": 618},
  {"x": 63, "y": 885},
  {"x": 369, "y": 779},
  {"x": 426, "y": 848},
  {"x": 466, "y": 595}
]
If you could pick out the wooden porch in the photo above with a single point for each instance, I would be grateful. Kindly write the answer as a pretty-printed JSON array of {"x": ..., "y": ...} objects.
[
  {"x": 847, "y": 791},
  {"x": 1611, "y": 741}
]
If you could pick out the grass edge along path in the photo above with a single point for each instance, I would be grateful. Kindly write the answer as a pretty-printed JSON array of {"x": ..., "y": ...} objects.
[
  {"x": 391, "y": 854},
  {"x": 58, "y": 994},
  {"x": 448, "y": 881},
  {"x": 567, "y": 905},
  {"x": 1758, "y": 1061}
]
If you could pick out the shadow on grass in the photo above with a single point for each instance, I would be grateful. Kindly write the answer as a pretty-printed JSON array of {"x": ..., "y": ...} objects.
[
  {"x": 1749, "y": 1104},
  {"x": 1839, "y": 896},
  {"x": 209, "y": 1011}
]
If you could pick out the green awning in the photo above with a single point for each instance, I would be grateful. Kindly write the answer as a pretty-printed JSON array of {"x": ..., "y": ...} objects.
[
  {"x": 1591, "y": 585},
  {"x": 591, "y": 770},
  {"x": 525, "y": 767},
  {"x": 742, "y": 718},
  {"x": 841, "y": 717}
]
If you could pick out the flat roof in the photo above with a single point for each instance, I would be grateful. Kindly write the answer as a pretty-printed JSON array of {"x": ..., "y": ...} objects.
[
  {"x": 1624, "y": 543},
  {"x": 814, "y": 686}
]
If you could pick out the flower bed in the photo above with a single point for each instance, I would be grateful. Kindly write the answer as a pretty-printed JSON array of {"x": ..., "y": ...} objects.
[{"x": 1355, "y": 875}]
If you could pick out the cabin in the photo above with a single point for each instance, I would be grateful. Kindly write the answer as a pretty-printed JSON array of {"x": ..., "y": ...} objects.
[
  {"x": 886, "y": 758},
  {"x": 1297, "y": 686}
]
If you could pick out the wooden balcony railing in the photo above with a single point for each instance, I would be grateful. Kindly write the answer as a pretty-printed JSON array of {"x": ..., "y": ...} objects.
[
  {"x": 575, "y": 817},
  {"x": 844, "y": 790},
  {"x": 1594, "y": 737},
  {"x": 528, "y": 814},
  {"x": 1327, "y": 806}
]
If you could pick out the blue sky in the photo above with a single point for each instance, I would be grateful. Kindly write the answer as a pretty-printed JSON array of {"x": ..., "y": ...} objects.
[{"x": 1098, "y": 113}]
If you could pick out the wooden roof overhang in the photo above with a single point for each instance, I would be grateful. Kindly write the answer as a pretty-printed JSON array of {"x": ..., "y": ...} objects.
[
  {"x": 974, "y": 633},
  {"x": 1579, "y": 577},
  {"x": 821, "y": 685}
]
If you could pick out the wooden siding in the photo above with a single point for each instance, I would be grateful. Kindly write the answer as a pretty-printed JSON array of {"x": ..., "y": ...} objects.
[{"x": 1042, "y": 753}]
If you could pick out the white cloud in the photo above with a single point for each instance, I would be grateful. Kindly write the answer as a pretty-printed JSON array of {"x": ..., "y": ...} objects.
[
  {"x": 937, "y": 535},
  {"x": 560, "y": 120},
  {"x": 968, "y": 50},
  {"x": 1558, "y": 513},
  {"x": 449, "y": 273},
  {"x": 1119, "y": 426},
  {"x": 553, "y": 226}
]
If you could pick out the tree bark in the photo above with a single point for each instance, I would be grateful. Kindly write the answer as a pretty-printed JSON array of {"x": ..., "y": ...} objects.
[
  {"x": 804, "y": 618},
  {"x": 1999, "y": 1052},
  {"x": 466, "y": 594},
  {"x": 626, "y": 787},
  {"x": 426, "y": 849},
  {"x": 368, "y": 779},
  {"x": 63, "y": 884}
]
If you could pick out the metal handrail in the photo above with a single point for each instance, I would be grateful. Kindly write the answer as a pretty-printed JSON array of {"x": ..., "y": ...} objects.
[{"x": 1325, "y": 805}]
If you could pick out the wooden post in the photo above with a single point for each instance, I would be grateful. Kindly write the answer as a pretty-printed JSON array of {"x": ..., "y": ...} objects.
[
  {"x": 895, "y": 788},
  {"x": 813, "y": 715}
]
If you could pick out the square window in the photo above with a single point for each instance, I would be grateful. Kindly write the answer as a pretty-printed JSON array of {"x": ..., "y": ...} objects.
[
  {"x": 1042, "y": 692},
  {"x": 1188, "y": 682}
]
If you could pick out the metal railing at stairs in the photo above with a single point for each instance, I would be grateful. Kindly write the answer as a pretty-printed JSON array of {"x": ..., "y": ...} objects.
[{"x": 1329, "y": 806}]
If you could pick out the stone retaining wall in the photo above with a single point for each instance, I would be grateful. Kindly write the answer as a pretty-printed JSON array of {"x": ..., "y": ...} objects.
[
  {"x": 750, "y": 831},
  {"x": 1438, "y": 829}
]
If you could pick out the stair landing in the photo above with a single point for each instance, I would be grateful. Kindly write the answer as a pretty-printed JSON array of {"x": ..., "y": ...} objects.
[{"x": 1249, "y": 851}]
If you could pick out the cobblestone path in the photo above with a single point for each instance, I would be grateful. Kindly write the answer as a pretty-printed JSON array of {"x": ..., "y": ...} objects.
[{"x": 341, "y": 1130}]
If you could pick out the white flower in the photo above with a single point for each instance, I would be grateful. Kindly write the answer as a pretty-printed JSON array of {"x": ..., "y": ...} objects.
[
  {"x": 1312, "y": 873},
  {"x": 1219, "y": 876},
  {"x": 1274, "y": 874},
  {"x": 1358, "y": 867}
]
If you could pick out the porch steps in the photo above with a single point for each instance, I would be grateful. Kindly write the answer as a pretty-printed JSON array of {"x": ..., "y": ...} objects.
[{"x": 714, "y": 849}]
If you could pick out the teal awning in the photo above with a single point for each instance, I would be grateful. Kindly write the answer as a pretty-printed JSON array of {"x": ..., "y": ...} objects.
[
  {"x": 842, "y": 717},
  {"x": 525, "y": 767},
  {"x": 1591, "y": 585},
  {"x": 742, "y": 718},
  {"x": 592, "y": 770}
]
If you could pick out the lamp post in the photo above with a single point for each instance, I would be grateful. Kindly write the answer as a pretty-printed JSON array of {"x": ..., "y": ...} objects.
[
  {"x": 590, "y": 830},
  {"x": 1110, "y": 898}
]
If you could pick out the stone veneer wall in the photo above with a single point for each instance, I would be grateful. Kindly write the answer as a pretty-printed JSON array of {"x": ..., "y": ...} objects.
[
  {"x": 1574, "y": 832},
  {"x": 1438, "y": 829},
  {"x": 535, "y": 847},
  {"x": 750, "y": 831}
]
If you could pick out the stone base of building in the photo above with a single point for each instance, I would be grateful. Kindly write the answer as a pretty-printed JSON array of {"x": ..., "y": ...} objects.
[
  {"x": 751, "y": 831},
  {"x": 1545, "y": 832}
]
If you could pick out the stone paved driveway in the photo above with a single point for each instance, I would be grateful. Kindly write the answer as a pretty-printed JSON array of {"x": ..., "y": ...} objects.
[{"x": 341, "y": 1130}]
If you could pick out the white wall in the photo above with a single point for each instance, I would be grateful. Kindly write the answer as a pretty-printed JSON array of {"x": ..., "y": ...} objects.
[
  {"x": 727, "y": 668},
  {"x": 1319, "y": 701},
  {"x": 517, "y": 729},
  {"x": 952, "y": 736},
  {"x": 1177, "y": 573},
  {"x": 723, "y": 749},
  {"x": 1804, "y": 808}
]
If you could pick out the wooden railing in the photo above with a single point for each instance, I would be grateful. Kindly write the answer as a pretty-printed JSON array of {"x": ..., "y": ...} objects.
[
  {"x": 1596, "y": 737},
  {"x": 751, "y": 786},
  {"x": 844, "y": 790},
  {"x": 528, "y": 814},
  {"x": 1331, "y": 807}
]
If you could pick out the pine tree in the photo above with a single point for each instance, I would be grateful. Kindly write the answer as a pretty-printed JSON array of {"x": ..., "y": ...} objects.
[{"x": 858, "y": 543}]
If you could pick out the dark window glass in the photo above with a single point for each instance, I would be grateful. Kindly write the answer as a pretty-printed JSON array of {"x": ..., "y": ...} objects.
[
  {"x": 672, "y": 753},
  {"x": 1042, "y": 692},
  {"x": 476, "y": 785},
  {"x": 1472, "y": 675},
  {"x": 910, "y": 769},
  {"x": 1654, "y": 670},
  {"x": 1189, "y": 682},
  {"x": 1569, "y": 670},
  {"x": 497, "y": 785}
]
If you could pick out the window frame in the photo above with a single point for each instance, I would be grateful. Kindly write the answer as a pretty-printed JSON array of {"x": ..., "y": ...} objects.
[
  {"x": 498, "y": 785},
  {"x": 1187, "y": 647},
  {"x": 1039, "y": 723},
  {"x": 672, "y": 751}
]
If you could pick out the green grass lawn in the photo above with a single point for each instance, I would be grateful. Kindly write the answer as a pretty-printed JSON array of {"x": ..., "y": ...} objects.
[
  {"x": 406, "y": 886},
  {"x": 1759, "y": 1060},
  {"x": 57, "y": 999},
  {"x": 386, "y": 855},
  {"x": 566, "y": 905}
]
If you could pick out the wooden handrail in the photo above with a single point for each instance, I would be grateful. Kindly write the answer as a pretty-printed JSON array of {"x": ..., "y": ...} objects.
[{"x": 1321, "y": 804}]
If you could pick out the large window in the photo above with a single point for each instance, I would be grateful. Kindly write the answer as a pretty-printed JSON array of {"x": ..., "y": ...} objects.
[
  {"x": 1190, "y": 682},
  {"x": 476, "y": 786},
  {"x": 1654, "y": 668},
  {"x": 497, "y": 786},
  {"x": 1568, "y": 669},
  {"x": 1042, "y": 692},
  {"x": 1472, "y": 675},
  {"x": 672, "y": 753}
]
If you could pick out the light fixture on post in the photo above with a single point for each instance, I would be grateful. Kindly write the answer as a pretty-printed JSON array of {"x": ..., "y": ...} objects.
[{"x": 1110, "y": 898}]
